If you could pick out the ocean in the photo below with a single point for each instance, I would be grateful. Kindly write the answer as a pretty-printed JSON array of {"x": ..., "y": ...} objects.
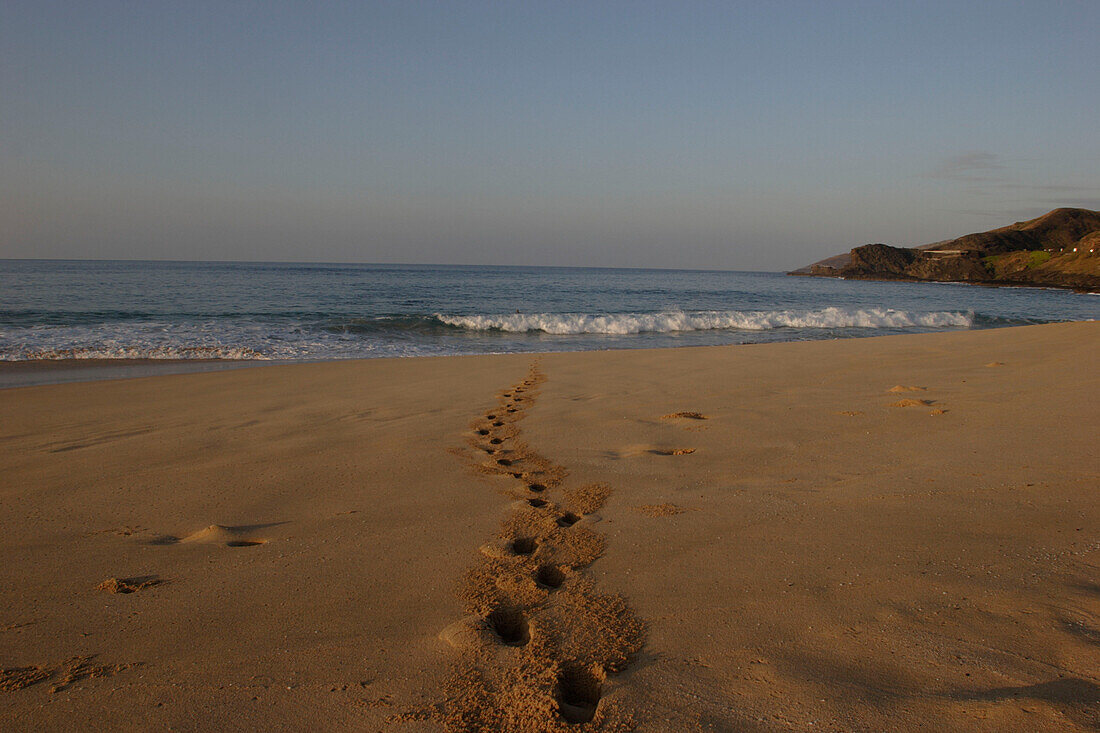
[{"x": 53, "y": 309}]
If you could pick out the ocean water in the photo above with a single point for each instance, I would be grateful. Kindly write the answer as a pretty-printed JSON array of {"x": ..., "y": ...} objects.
[{"x": 293, "y": 312}]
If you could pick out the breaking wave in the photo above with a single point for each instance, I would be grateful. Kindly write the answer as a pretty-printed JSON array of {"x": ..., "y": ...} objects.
[{"x": 672, "y": 321}]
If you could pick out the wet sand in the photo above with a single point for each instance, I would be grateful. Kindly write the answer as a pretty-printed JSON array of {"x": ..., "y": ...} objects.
[
  {"x": 61, "y": 371},
  {"x": 890, "y": 533}
]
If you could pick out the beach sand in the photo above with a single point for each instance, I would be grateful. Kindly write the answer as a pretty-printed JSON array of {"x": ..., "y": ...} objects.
[{"x": 894, "y": 533}]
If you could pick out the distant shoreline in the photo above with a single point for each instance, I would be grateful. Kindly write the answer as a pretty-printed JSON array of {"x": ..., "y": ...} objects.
[
  {"x": 43, "y": 372},
  {"x": 982, "y": 283}
]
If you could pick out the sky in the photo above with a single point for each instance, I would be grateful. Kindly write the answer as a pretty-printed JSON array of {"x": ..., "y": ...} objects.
[{"x": 726, "y": 135}]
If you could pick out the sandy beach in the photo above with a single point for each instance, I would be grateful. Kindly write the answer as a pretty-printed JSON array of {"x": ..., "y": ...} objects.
[{"x": 894, "y": 533}]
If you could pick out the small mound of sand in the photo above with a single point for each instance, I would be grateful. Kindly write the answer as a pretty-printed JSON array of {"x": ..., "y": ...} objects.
[
  {"x": 903, "y": 388},
  {"x": 911, "y": 403},
  {"x": 660, "y": 510},
  {"x": 218, "y": 534},
  {"x": 684, "y": 415},
  {"x": 995, "y": 364},
  {"x": 681, "y": 451},
  {"x": 937, "y": 411},
  {"x": 850, "y": 413}
]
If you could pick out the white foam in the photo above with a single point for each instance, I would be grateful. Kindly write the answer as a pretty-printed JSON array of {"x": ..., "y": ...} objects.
[
  {"x": 134, "y": 352},
  {"x": 671, "y": 321}
]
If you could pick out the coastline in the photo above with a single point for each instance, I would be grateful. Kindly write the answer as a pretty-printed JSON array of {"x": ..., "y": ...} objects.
[
  {"x": 867, "y": 533},
  {"x": 40, "y": 372},
  {"x": 1088, "y": 290}
]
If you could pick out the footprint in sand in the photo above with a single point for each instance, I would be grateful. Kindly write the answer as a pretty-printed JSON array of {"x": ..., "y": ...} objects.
[
  {"x": 660, "y": 510},
  {"x": 129, "y": 585},
  {"x": 644, "y": 449},
  {"x": 524, "y": 546},
  {"x": 510, "y": 626},
  {"x": 577, "y": 693},
  {"x": 65, "y": 674},
  {"x": 568, "y": 519},
  {"x": 672, "y": 451},
  {"x": 684, "y": 416},
  {"x": 550, "y": 577}
]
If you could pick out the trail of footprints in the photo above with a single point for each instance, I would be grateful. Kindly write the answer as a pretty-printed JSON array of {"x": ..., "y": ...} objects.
[{"x": 539, "y": 642}]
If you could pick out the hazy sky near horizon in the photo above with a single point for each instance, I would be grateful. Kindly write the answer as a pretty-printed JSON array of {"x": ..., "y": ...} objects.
[{"x": 726, "y": 135}]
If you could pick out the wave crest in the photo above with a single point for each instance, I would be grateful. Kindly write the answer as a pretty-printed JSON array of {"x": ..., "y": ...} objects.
[{"x": 670, "y": 321}]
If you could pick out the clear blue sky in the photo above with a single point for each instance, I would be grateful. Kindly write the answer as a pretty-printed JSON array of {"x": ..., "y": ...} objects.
[{"x": 733, "y": 135}]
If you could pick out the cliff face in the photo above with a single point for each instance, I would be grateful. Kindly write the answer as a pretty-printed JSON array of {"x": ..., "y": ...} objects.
[{"x": 1037, "y": 252}]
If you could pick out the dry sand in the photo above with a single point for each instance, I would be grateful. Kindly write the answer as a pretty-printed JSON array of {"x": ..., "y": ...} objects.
[{"x": 743, "y": 538}]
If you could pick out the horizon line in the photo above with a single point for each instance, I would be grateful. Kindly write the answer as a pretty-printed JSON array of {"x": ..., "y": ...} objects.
[{"x": 383, "y": 264}]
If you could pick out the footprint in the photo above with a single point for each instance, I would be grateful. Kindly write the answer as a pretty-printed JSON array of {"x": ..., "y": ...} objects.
[
  {"x": 524, "y": 545},
  {"x": 495, "y": 441},
  {"x": 19, "y": 678},
  {"x": 660, "y": 510},
  {"x": 577, "y": 694},
  {"x": 536, "y": 487},
  {"x": 568, "y": 519},
  {"x": 537, "y": 503},
  {"x": 684, "y": 416},
  {"x": 510, "y": 626},
  {"x": 64, "y": 674},
  {"x": 550, "y": 576},
  {"x": 128, "y": 585}
]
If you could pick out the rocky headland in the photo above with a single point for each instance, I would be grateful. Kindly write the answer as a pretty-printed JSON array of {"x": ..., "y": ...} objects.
[{"x": 1058, "y": 249}]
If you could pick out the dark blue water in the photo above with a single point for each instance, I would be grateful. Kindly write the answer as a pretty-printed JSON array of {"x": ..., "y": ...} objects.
[{"x": 88, "y": 309}]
